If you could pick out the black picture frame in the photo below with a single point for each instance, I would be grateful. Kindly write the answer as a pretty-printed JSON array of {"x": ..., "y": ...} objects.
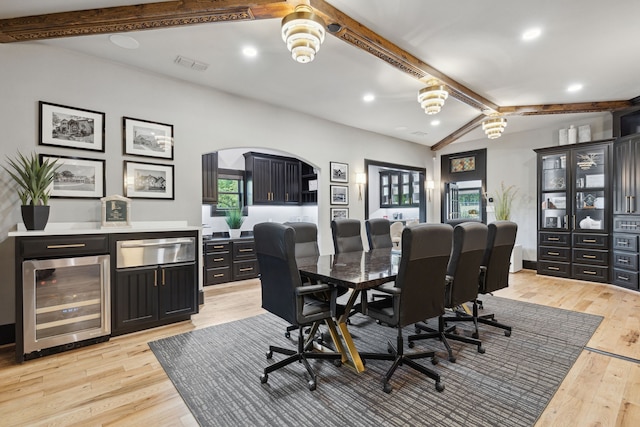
[
  {"x": 77, "y": 177},
  {"x": 339, "y": 213},
  {"x": 339, "y": 172},
  {"x": 71, "y": 127},
  {"x": 339, "y": 194},
  {"x": 146, "y": 138},
  {"x": 148, "y": 180}
]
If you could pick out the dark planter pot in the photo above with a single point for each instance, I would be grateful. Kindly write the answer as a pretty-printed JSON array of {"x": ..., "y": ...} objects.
[{"x": 35, "y": 217}]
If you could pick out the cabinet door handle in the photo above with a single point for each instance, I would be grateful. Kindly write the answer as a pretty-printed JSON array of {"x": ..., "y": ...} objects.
[
  {"x": 593, "y": 273},
  {"x": 589, "y": 256},
  {"x": 218, "y": 247},
  {"x": 163, "y": 281},
  {"x": 553, "y": 239},
  {"x": 286, "y": 196},
  {"x": 627, "y": 204},
  {"x": 589, "y": 241},
  {"x": 553, "y": 268},
  {"x": 218, "y": 259},
  {"x": 632, "y": 204},
  {"x": 70, "y": 245},
  {"x": 246, "y": 269},
  {"x": 218, "y": 275},
  {"x": 245, "y": 250},
  {"x": 553, "y": 253},
  {"x": 622, "y": 243},
  {"x": 155, "y": 278},
  {"x": 574, "y": 222},
  {"x": 623, "y": 278},
  {"x": 623, "y": 261}
]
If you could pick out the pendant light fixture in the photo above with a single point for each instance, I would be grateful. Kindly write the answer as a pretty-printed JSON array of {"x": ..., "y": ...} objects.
[
  {"x": 494, "y": 126},
  {"x": 303, "y": 31},
  {"x": 432, "y": 97}
]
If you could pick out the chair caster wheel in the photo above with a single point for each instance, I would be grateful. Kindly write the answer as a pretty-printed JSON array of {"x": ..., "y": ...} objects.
[
  {"x": 480, "y": 349},
  {"x": 439, "y": 387},
  {"x": 337, "y": 363},
  {"x": 312, "y": 385},
  {"x": 269, "y": 354},
  {"x": 507, "y": 333},
  {"x": 475, "y": 335},
  {"x": 452, "y": 359},
  {"x": 264, "y": 378},
  {"x": 411, "y": 344},
  {"x": 434, "y": 361},
  {"x": 389, "y": 349},
  {"x": 348, "y": 322},
  {"x": 287, "y": 334},
  {"x": 386, "y": 387}
]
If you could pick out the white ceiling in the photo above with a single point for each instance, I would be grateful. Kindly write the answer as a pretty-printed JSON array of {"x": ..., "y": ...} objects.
[{"x": 477, "y": 43}]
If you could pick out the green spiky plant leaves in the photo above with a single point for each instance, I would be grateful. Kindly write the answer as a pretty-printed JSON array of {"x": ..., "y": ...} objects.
[
  {"x": 502, "y": 201},
  {"x": 234, "y": 218},
  {"x": 34, "y": 179}
]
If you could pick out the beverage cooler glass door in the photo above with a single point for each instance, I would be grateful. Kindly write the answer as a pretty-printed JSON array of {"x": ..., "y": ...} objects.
[{"x": 65, "y": 301}]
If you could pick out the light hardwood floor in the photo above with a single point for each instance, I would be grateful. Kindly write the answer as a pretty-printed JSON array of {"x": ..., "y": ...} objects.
[{"x": 121, "y": 383}]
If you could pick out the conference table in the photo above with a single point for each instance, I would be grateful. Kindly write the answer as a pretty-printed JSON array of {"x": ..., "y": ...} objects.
[{"x": 358, "y": 271}]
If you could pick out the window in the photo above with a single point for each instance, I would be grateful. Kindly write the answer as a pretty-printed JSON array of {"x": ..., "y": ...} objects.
[{"x": 230, "y": 192}]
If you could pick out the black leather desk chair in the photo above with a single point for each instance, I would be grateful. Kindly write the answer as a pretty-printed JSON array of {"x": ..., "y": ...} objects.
[
  {"x": 469, "y": 243},
  {"x": 417, "y": 294},
  {"x": 346, "y": 235},
  {"x": 284, "y": 296},
  {"x": 378, "y": 233}
]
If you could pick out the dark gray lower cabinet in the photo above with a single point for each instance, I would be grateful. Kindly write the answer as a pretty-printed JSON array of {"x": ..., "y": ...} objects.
[
  {"x": 625, "y": 261},
  {"x": 229, "y": 260},
  {"x": 146, "y": 297}
]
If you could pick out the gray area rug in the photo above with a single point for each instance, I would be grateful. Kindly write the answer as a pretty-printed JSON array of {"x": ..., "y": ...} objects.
[{"x": 216, "y": 371}]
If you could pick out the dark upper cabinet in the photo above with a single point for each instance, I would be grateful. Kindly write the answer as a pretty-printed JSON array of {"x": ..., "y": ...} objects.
[
  {"x": 210, "y": 178},
  {"x": 626, "y": 175},
  {"x": 399, "y": 189},
  {"x": 272, "y": 180}
]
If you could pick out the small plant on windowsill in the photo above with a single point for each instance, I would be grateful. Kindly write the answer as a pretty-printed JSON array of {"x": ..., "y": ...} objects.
[
  {"x": 234, "y": 220},
  {"x": 502, "y": 201}
]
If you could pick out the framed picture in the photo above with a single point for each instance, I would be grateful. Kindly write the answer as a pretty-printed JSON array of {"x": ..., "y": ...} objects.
[
  {"x": 116, "y": 211},
  {"x": 77, "y": 177},
  {"x": 339, "y": 172},
  {"x": 71, "y": 127},
  {"x": 339, "y": 213},
  {"x": 339, "y": 194},
  {"x": 147, "y": 139},
  {"x": 148, "y": 181},
  {"x": 551, "y": 222},
  {"x": 463, "y": 164}
]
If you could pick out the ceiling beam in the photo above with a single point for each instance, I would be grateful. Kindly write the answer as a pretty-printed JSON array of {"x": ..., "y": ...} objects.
[
  {"x": 578, "y": 107},
  {"x": 147, "y": 16},
  {"x": 465, "y": 129}
]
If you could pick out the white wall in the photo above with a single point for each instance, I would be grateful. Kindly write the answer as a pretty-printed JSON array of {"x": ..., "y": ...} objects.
[
  {"x": 204, "y": 120},
  {"x": 511, "y": 159}
]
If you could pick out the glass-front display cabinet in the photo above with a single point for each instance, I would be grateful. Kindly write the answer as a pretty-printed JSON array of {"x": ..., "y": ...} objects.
[
  {"x": 574, "y": 206},
  {"x": 399, "y": 189}
]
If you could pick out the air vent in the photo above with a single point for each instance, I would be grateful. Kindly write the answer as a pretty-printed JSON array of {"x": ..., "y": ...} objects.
[
  {"x": 419, "y": 133},
  {"x": 191, "y": 63}
]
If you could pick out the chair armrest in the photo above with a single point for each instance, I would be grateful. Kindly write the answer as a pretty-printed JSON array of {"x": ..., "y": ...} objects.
[
  {"x": 389, "y": 288},
  {"x": 312, "y": 289}
]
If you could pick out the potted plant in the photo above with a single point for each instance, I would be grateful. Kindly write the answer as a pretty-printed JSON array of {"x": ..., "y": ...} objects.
[
  {"x": 502, "y": 201},
  {"x": 34, "y": 181},
  {"x": 234, "y": 220}
]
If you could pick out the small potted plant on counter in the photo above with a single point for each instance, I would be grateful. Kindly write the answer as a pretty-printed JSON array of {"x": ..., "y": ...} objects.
[
  {"x": 234, "y": 220},
  {"x": 35, "y": 182}
]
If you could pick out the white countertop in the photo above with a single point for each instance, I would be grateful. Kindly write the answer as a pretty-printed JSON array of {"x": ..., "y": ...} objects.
[{"x": 69, "y": 228}]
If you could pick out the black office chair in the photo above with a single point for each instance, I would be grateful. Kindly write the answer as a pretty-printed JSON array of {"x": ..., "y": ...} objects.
[
  {"x": 417, "y": 294},
  {"x": 494, "y": 272},
  {"x": 378, "y": 233},
  {"x": 284, "y": 296},
  {"x": 469, "y": 243},
  {"x": 346, "y": 235}
]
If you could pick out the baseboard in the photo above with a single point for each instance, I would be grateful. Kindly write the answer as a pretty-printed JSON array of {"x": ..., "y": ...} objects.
[{"x": 7, "y": 334}]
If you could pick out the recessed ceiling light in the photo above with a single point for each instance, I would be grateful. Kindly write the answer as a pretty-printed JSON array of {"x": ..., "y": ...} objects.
[
  {"x": 531, "y": 33},
  {"x": 250, "y": 51},
  {"x": 574, "y": 87},
  {"x": 368, "y": 97},
  {"x": 435, "y": 122},
  {"x": 125, "y": 42}
]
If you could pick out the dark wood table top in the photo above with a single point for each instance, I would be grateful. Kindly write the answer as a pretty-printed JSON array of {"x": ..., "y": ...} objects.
[{"x": 357, "y": 270}]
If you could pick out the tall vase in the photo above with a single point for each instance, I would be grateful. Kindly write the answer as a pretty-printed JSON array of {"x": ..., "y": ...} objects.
[
  {"x": 35, "y": 217},
  {"x": 234, "y": 233}
]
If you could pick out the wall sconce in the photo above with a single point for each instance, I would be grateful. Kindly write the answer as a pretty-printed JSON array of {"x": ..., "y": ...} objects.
[
  {"x": 361, "y": 180},
  {"x": 430, "y": 184}
]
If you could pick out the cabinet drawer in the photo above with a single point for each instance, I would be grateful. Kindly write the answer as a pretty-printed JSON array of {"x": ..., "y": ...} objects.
[
  {"x": 218, "y": 275},
  {"x": 244, "y": 249},
  {"x": 625, "y": 279},
  {"x": 217, "y": 247},
  {"x": 591, "y": 257},
  {"x": 217, "y": 259},
  {"x": 554, "y": 254},
  {"x": 555, "y": 239},
  {"x": 245, "y": 269},
  {"x": 57, "y": 246},
  {"x": 591, "y": 272},
  {"x": 592, "y": 241},
  {"x": 626, "y": 224},
  {"x": 559, "y": 269},
  {"x": 625, "y": 260},
  {"x": 625, "y": 242}
]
